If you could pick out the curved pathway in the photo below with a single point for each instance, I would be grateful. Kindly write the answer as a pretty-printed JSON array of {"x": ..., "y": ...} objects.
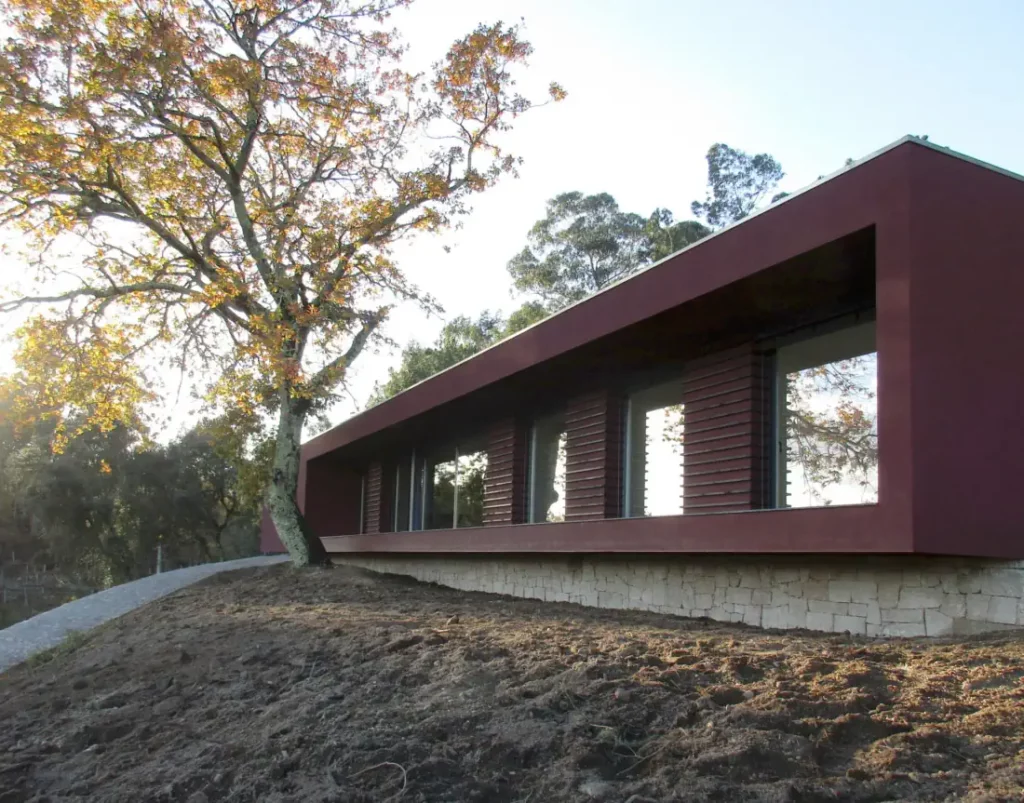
[{"x": 49, "y": 629}]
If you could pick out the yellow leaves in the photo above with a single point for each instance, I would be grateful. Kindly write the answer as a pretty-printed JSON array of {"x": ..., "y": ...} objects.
[
  {"x": 249, "y": 167},
  {"x": 556, "y": 92},
  {"x": 65, "y": 371}
]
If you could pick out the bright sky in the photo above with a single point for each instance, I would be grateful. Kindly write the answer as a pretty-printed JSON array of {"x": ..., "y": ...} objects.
[{"x": 653, "y": 83}]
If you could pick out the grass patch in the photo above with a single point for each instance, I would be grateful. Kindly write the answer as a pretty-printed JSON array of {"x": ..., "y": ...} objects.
[{"x": 71, "y": 642}]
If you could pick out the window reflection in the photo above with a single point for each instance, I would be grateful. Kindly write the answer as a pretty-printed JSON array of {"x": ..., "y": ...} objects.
[
  {"x": 654, "y": 471},
  {"x": 828, "y": 419},
  {"x": 440, "y": 512},
  {"x": 469, "y": 502},
  {"x": 402, "y": 494},
  {"x": 547, "y": 470}
]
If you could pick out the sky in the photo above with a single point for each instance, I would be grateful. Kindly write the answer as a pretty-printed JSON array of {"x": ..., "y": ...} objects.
[{"x": 653, "y": 84}]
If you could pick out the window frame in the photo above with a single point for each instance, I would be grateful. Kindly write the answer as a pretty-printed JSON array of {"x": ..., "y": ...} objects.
[
  {"x": 674, "y": 375},
  {"x": 776, "y": 430},
  {"x": 531, "y": 457}
]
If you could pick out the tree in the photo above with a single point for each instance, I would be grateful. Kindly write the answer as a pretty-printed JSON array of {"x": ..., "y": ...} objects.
[
  {"x": 737, "y": 183},
  {"x": 667, "y": 236},
  {"x": 96, "y": 511},
  {"x": 232, "y": 177},
  {"x": 585, "y": 243},
  {"x": 459, "y": 340},
  {"x": 582, "y": 244}
]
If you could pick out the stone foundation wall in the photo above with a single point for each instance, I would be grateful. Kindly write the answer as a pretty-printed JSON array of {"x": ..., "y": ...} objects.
[{"x": 864, "y": 596}]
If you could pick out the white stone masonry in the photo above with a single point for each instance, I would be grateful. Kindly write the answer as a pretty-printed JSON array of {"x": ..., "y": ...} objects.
[{"x": 868, "y": 596}]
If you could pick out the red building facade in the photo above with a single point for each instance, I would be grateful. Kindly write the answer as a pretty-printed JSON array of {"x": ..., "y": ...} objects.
[{"x": 905, "y": 270}]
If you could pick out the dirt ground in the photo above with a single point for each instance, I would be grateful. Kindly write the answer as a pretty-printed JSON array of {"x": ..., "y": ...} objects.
[{"x": 338, "y": 685}]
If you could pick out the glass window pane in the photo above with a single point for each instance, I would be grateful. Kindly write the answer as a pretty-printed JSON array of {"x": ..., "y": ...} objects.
[
  {"x": 440, "y": 497},
  {"x": 547, "y": 470},
  {"x": 470, "y": 499},
  {"x": 655, "y": 459},
  {"x": 402, "y": 493},
  {"x": 828, "y": 444}
]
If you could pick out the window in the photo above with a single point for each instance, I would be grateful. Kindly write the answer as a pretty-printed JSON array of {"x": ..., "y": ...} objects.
[
  {"x": 469, "y": 499},
  {"x": 453, "y": 488},
  {"x": 402, "y": 495},
  {"x": 827, "y": 419},
  {"x": 654, "y": 454},
  {"x": 440, "y": 493},
  {"x": 547, "y": 470}
]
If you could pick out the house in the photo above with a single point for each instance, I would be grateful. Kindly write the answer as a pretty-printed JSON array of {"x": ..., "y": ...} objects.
[{"x": 812, "y": 419}]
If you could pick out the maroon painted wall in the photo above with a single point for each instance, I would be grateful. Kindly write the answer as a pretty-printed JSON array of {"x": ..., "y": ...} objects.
[
  {"x": 333, "y": 495},
  {"x": 967, "y": 326},
  {"x": 948, "y": 278},
  {"x": 270, "y": 543}
]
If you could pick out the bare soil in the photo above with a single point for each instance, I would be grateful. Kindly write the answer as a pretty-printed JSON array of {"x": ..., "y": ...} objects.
[{"x": 339, "y": 685}]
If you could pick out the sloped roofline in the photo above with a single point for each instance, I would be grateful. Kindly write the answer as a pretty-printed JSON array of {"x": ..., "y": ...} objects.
[{"x": 908, "y": 139}]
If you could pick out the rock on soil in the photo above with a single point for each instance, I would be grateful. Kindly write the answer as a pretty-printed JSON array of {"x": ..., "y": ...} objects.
[{"x": 339, "y": 685}]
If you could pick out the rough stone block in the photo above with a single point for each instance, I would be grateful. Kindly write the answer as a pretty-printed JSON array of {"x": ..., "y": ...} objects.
[
  {"x": 1002, "y": 610},
  {"x": 739, "y": 596},
  {"x": 782, "y": 598},
  {"x": 977, "y": 607},
  {"x": 761, "y": 597},
  {"x": 816, "y": 589},
  {"x": 820, "y": 606},
  {"x": 786, "y": 576},
  {"x": 955, "y": 605},
  {"x": 775, "y": 617},
  {"x": 874, "y": 614},
  {"x": 752, "y": 615},
  {"x": 852, "y": 591},
  {"x": 937, "y": 623},
  {"x": 911, "y": 578},
  {"x": 902, "y": 615},
  {"x": 922, "y": 597},
  {"x": 1003, "y": 583},
  {"x": 858, "y": 609},
  {"x": 888, "y": 592},
  {"x": 969, "y": 582},
  {"x": 703, "y": 601},
  {"x": 854, "y": 624},
  {"x": 820, "y": 621}
]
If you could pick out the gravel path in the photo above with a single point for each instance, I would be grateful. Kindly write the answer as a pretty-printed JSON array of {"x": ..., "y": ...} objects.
[{"x": 48, "y": 629}]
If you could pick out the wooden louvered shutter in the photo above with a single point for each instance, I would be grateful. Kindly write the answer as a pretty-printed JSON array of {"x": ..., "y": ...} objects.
[
  {"x": 376, "y": 500},
  {"x": 593, "y": 461},
  {"x": 725, "y": 449},
  {"x": 505, "y": 479}
]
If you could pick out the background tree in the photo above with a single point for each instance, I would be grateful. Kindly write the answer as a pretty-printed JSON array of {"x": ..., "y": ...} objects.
[
  {"x": 93, "y": 514},
  {"x": 460, "y": 338},
  {"x": 233, "y": 176},
  {"x": 737, "y": 183},
  {"x": 668, "y": 236},
  {"x": 583, "y": 244}
]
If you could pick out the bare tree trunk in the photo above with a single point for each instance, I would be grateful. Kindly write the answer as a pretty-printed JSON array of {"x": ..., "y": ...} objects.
[{"x": 302, "y": 545}]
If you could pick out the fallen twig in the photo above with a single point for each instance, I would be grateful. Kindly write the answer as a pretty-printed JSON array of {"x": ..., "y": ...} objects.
[{"x": 401, "y": 791}]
